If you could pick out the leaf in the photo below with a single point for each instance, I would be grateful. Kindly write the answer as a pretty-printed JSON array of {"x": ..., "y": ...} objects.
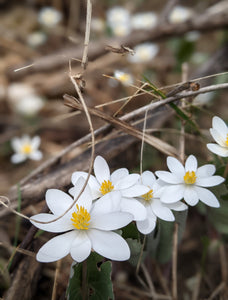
[
  {"x": 219, "y": 217},
  {"x": 136, "y": 248},
  {"x": 98, "y": 279}
]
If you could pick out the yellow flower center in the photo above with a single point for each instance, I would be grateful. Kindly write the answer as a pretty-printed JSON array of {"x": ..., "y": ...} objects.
[
  {"x": 124, "y": 77},
  {"x": 190, "y": 177},
  {"x": 106, "y": 187},
  {"x": 227, "y": 139},
  {"x": 81, "y": 218},
  {"x": 26, "y": 149},
  {"x": 148, "y": 195}
]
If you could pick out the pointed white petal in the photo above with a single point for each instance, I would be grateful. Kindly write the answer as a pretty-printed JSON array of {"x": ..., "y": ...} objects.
[
  {"x": 169, "y": 177},
  {"x": 57, "y": 248},
  {"x": 119, "y": 174},
  {"x": 209, "y": 181},
  {"x": 207, "y": 197},
  {"x": 191, "y": 164},
  {"x": 101, "y": 169},
  {"x": 148, "y": 225},
  {"x": 93, "y": 183},
  {"x": 172, "y": 193},
  {"x": 135, "y": 191},
  {"x": 221, "y": 151},
  {"x": 35, "y": 142},
  {"x": 218, "y": 137},
  {"x": 81, "y": 247},
  {"x": 191, "y": 196},
  {"x": 219, "y": 125},
  {"x": 177, "y": 206},
  {"x": 85, "y": 199},
  {"x": 162, "y": 211},
  {"x": 126, "y": 182},
  {"x": 134, "y": 207},
  {"x": 109, "y": 244},
  {"x": 61, "y": 225},
  {"x": 36, "y": 155},
  {"x": 205, "y": 171},
  {"x": 58, "y": 201},
  {"x": 175, "y": 166},
  {"x": 148, "y": 178},
  {"x": 16, "y": 144},
  {"x": 111, "y": 221},
  {"x": 18, "y": 158},
  {"x": 106, "y": 204}
]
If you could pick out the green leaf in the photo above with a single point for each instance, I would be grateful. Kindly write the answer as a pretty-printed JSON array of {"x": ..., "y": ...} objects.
[
  {"x": 98, "y": 284},
  {"x": 135, "y": 248}
]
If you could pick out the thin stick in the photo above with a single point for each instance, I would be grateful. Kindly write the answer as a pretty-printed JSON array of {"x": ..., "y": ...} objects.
[
  {"x": 87, "y": 34},
  {"x": 57, "y": 271},
  {"x": 142, "y": 144},
  {"x": 174, "y": 262},
  {"x": 195, "y": 294},
  {"x": 216, "y": 292}
]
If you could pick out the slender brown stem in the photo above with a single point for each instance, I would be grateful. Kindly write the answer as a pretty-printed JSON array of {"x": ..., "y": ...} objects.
[{"x": 174, "y": 262}]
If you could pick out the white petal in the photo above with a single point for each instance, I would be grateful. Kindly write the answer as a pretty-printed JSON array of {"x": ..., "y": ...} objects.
[
  {"x": 16, "y": 144},
  {"x": 111, "y": 221},
  {"x": 119, "y": 174},
  {"x": 135, "y": 191},
  {"x": 101, "y": 169},
  {"x": 85, "y": 199},
  {"x": 57, "y": 248},
  {"x": 134, "y": 207},
  {"x": 218, "y": 137},
  {"x": 177, "y": 206},
  {"x": 207, "y": 197},
  {"x": 35, "y": 155},
  {"x": 35, "y": 142},
  {"x": 172, "y": 193},
  {"x": 221, "y": 151},
  {"x": 61, "y": 225},
  {"x": 106, "y": 204},
  {"x": 219, "y": 125},
  {"x": 209, "y": 181},
  {"x": 148, "y": 178},
  {"x": 191, "y": 196},
  {"x": 148, "y": 225},
  {"x": 162, "y": 211},
  {"x": 126, "y": 182},
  {"x": 169, "y": 177},
  {"x": 81, "y": 247},
  {"x": 18, "y": 158},
  {"x": 109, "y": 244},
  {"x": 191, "y": 164},
  {"x": 205, "y": 171},
  {"x": 93, "y": 183},
  {"x": 58, "y": 201},
  {"x": 175, "y": 166}
]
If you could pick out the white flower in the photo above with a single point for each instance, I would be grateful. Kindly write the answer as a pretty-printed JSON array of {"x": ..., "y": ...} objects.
[
  {"x": 109, "y": 186},
  {"x": 118, "y": 19},
  {"x": 36, "y": 39},
  {"x": 49, "y": 17},
  {"x": 122, "y": 29},
  {"x": 180, "y": 14},
  {"x": 154, "y": 207},
  {"x": 204, "y": 99},
  {"x": 146, "y": 20},
  {"x": 143, "y": 53},
  {"x": 219, "y": 132},
  {"x": 97, "y": 25},
  {"x": 25, "y": 148},
  {"x": 85, "y": 228},
  {"x": 189, "y": 182},
  {"x": 125, "y": 78}
]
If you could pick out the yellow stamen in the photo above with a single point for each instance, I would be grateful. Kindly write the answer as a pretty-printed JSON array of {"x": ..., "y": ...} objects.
[
  {"x": 81, "y": 218},
  {"x": 26, "y": 149},
  {"x": 148, "y": 195},
  {"x": 190, "y": 177},
  {"x": 124, "y": 77},
  {"x": 106, "y": 187},
  {"x": 227, "y": 139}
]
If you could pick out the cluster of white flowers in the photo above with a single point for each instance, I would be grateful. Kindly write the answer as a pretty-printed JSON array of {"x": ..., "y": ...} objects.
[{"x": 111, "y": 201}]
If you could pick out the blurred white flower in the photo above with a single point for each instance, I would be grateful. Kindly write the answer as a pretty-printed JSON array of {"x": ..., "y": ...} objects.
[
  {"x": 25, "y": 148},
  {"x": 125, "y": 78},
  {"x": 219, "y": 132},
  {"x": 97, "y": 25},
  {"x": 203, "y": 99},
  {"x": 180, "y": 14},
  {"x": 154, "y": 207},
  {"x": 146, "y": 20},
  {"x": 118, "y": 19},
  {"x": 188, "y": 182},
  {"x": 84, "y": 226},
  {"x": 23, "y": 99},
  {"x": 36, "y": 39},
  {"x": 108, "y": 187},
  {"x": 121, "y": 29},
  {"x": 49, "y": 17},
  {"x": 143, "y": 53},
  {"x": 192, "y": 36}
]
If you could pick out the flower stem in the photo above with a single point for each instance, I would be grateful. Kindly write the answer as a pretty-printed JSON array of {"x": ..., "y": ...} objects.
[
  {"x": 84, "y": 281},
  {"x": 174, "y": 262}
]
